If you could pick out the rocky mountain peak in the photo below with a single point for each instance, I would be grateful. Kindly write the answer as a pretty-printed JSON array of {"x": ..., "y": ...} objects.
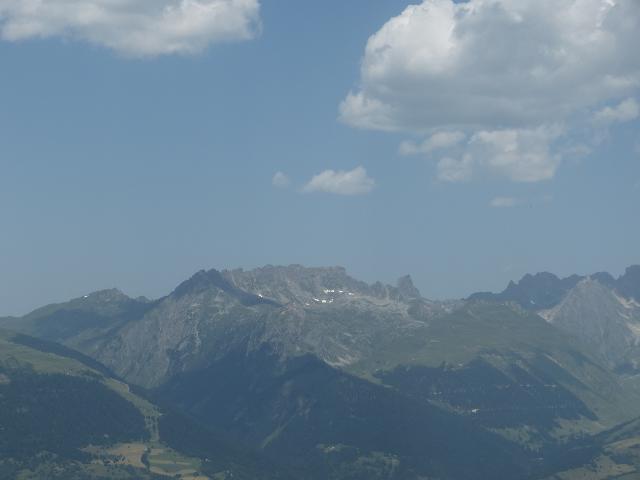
[
  {"x": 605, "y": 278},
  {"x": 204, "y": 280},
  {"x": 406, "y": 288},
  {"x": 200, "y": 281},
  {"x": 589, "y": 285},
  {"x": 295, "y": 283},
  {"x": 534, "y": 292},
  {"x": 108, "y": 295},
  {"x": 629, "y": 283},
  {"x": 592, "y": 312},
  {"x": 304, "y": 286}
]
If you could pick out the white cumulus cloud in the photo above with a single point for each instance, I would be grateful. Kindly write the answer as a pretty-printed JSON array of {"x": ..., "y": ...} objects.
[
  {"x": 133, "y": 27},
  {"x": 353, "y": 182},
  {"x": 504, "y": 73},
  {"x": 521, "y": 155}
]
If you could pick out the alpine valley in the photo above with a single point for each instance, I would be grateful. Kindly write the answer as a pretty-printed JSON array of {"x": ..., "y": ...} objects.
[{"x": 307, "y": 373}]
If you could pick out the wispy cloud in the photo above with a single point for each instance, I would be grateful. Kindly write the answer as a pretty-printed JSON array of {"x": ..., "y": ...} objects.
[
  {"x": 510, "y": 202},
  {"x": 625, "y": 111},
  {"x": 353, "y": 182},
  {"x": 455, "y": 171},
  {"x": 437, "y": 141},
  {"x": 504, "y": 202},
  {"x": 133, "y": 27},
  {"x": 280, "y": 180}
]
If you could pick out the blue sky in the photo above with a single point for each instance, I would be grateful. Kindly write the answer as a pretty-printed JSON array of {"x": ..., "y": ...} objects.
[{"x": 133, "y": 163}]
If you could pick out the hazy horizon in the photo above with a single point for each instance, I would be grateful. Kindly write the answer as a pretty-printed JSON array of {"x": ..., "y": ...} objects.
[{"x": 160, "y": 294}]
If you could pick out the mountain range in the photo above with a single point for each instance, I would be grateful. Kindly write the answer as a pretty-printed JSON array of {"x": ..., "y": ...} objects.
[
  {"x": 315, "y": 374},
  {"x": 601, "y": 311}
]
